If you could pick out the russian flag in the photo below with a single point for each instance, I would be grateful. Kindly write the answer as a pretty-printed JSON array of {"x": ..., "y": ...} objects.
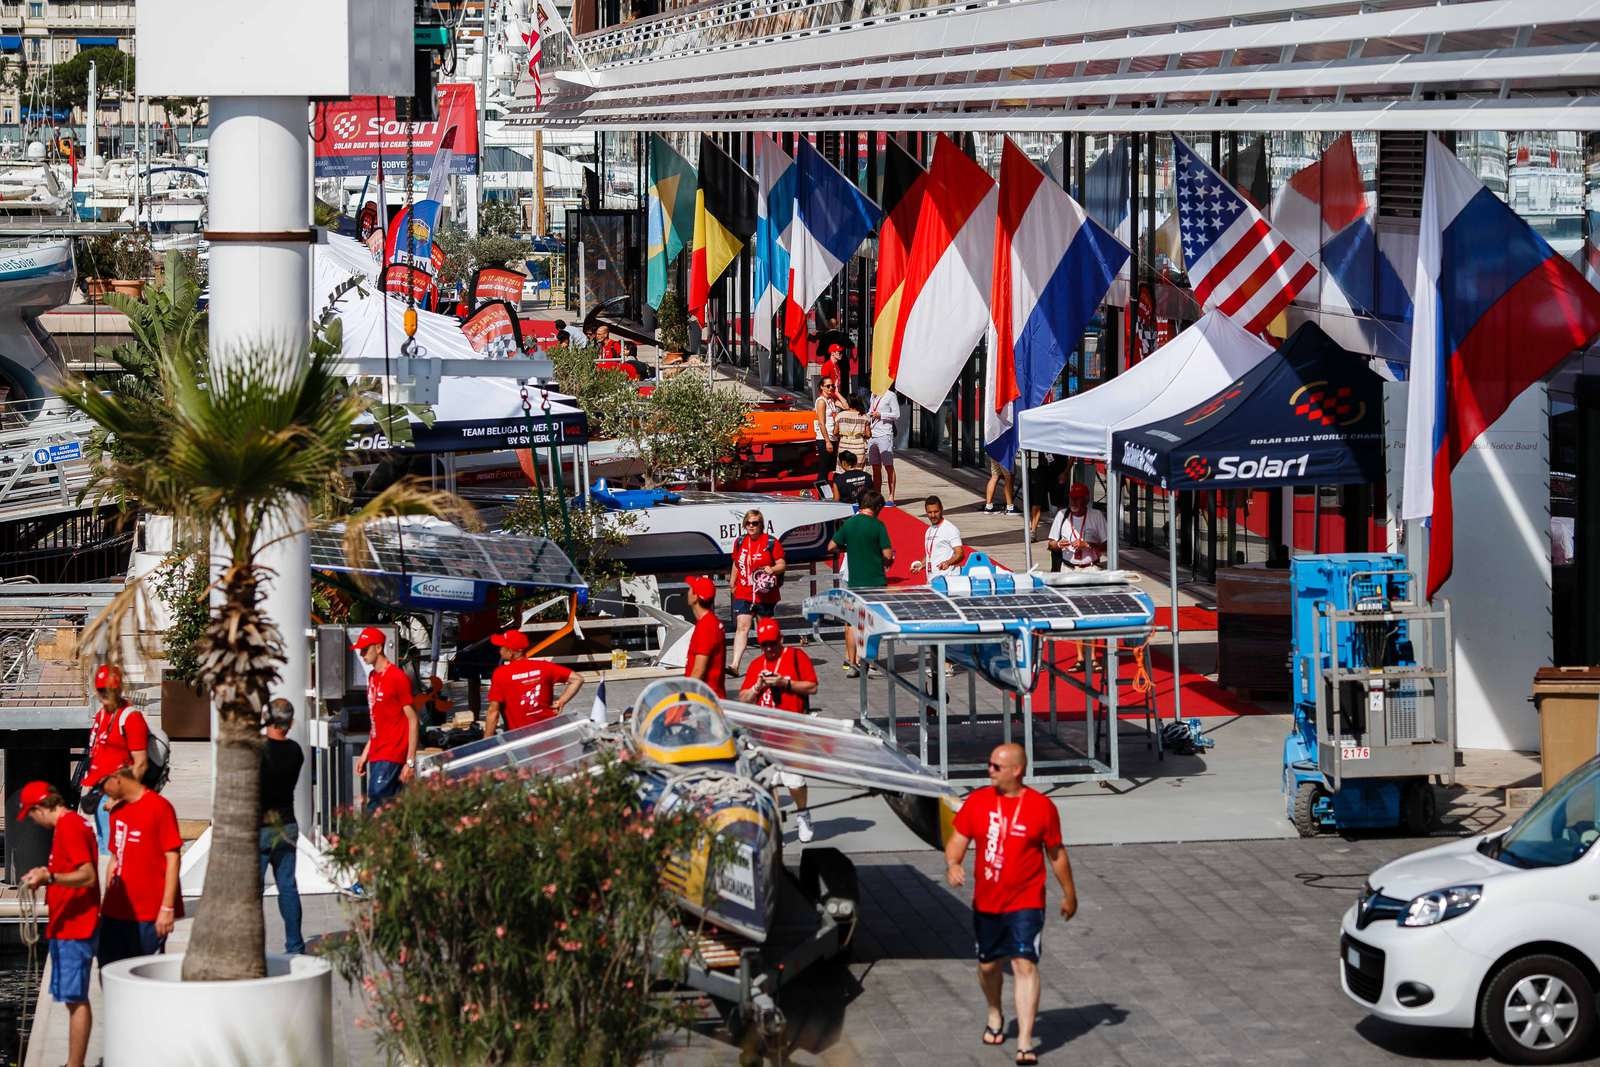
[
  {"x": 831, "y": 219},
  {"x": 775, "y": 182},
  {"x": 1496, "y": 310},
  {"x": 1052, "y": 266}
]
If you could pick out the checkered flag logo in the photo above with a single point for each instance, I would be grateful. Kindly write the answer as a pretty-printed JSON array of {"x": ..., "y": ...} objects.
[
  {"x": 1326, "y": 405},
  {"x": 1197, "y": 468},
  {"x": 344, "y": 127}
]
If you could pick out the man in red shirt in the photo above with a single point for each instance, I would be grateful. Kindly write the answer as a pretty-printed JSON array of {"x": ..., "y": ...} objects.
[
  {"x": 390, "y": 756},
  {"x": 522, "y": 687},
  {"x": 142, "y": 902},
  {"x": 118, "y": 737},
  {"x": 758, "y": 567},
  {"x": 707, "y": 659},
  {"x": 72, "y": 898},
  {"x": 1019, "y": 829},
  {"x": 783, "y": 678}
]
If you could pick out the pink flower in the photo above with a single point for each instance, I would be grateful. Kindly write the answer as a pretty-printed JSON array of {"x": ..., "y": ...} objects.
[
  {"x": 403, "y": 956},
  {"x": 605, "y": 886},
  {"x": 571, "y": 946},
  {"x": 561, "y": 925},
  {"x": 628, "y": 984},
  {"x": 550, "y": 957},
  {"x": 438, "y": 865},
  {"x": 550, "y": 890},
  {"x": 517, "y": 1027},
  {"x": 500, "y": 931}
]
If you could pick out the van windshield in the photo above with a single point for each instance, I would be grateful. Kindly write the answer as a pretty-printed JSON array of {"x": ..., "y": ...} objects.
[{"x": 1559, "y": 828}]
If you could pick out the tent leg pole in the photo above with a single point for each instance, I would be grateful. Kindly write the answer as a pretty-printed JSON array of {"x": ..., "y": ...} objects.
[
  {"x": 1027, "y": 512},
  {"x": 1113, "y": 515},
  {"x": 1172, "y": 567}
]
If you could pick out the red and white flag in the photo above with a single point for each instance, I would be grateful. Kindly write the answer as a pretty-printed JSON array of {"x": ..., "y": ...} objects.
[
  {"x": 944, "y": 303},
  {"x": 534, "y": 40},
  {"x": 1238, "y": 263}
]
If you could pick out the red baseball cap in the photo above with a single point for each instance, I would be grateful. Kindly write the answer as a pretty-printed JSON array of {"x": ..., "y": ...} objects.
[
  {"x": 702, "y": 587},
  {"x": 512, "y": 639},
  {"x": 32, "y": 794},
  {"x": 768, "y": 630},
  {"x": 368, "y": 637},
  {"x": 108, "y": 676},
  {"x": 1078, "y": 490}
]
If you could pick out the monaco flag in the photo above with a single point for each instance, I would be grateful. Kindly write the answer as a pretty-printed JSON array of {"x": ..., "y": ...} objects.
[
  {"x": 944, "y": 303},
  {"x": 1496, "y": 310},
  {"x": 1238, "y": 264},
  {"x": 1052, "y": 266}
]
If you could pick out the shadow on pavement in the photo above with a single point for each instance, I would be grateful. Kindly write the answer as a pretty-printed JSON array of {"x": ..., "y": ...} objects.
[
  {"x": 1422, "y": 1042},
  {"x": 1056, "y": 1027}
]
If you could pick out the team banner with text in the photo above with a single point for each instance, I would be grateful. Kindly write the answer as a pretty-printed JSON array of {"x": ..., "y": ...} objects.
[
  {"x": 493, "y": 330},
  {"x": 494, "y": 283},
  {"x": 351, "y": 135}
]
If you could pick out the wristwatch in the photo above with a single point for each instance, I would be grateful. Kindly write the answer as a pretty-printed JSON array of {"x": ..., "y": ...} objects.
[{"x": 50, "y": 878}]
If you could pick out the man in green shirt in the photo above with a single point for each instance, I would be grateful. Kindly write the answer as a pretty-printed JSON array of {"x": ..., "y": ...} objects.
[{"x": 864, "y": 540}]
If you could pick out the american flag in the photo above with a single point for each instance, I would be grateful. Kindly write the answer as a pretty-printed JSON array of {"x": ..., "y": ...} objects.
[
  {"x": 532, "y": 39},
  {"x": 1237, "y": 262}
]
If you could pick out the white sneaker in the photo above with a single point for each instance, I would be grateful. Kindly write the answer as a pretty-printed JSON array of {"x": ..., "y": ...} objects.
[{"x": 803, "y": 828}]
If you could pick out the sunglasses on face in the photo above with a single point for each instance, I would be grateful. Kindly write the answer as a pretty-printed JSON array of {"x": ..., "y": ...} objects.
[
  {"x": 995, "y": 766},
  {"x": 754, "y": 522}
]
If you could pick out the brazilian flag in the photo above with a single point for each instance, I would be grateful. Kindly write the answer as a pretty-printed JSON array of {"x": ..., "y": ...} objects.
[{"x": 671, "y": 215}]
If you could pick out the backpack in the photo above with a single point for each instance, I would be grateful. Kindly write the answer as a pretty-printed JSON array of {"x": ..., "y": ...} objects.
[{"x": 158, "y": 756}]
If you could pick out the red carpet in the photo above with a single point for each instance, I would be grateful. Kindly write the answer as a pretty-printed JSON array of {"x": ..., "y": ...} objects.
[
  {"x": 905, "y": 533},
  {"x": 1201, "y": 696},
  {"x": 1191, "y": 618}
]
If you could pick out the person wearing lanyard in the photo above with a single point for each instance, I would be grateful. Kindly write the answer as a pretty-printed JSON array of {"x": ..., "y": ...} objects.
[
  {"x": 884, "y": 417},
  {"x": 1020, "y": 830},
  {"x": 389, "y": 759},
  {"x": 827, "y": 409},
  {"x": 1078, "y": 536},
  {"x": 783, "y": 678},
  {"x": 941, "y": 542}
]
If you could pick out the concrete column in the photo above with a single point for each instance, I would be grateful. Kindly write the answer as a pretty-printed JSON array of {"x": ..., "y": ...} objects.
[{"x": 261, "y": 295}]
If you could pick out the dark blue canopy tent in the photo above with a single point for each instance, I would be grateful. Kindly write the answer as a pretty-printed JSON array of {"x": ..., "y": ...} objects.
[{"x": 1309, "y": 414}]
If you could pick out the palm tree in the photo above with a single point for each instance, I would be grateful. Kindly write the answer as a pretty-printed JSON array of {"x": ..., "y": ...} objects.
[{"x": 229, "y": 454}]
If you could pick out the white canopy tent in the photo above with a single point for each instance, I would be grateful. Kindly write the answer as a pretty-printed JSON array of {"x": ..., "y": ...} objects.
[{"x": 1186, "y": 370}]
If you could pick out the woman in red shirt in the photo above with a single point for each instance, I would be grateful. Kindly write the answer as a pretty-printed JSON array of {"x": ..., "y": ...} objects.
[{"x": 757, "y": 566}]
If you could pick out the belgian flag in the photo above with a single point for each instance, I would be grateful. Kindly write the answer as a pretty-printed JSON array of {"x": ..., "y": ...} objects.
[
  {"x": 903, "y": 184},
  {"x": 724, "y": 220}
]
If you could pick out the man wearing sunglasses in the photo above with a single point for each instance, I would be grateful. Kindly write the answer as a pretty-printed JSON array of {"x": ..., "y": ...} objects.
[{"x": 1020, "y": 830}]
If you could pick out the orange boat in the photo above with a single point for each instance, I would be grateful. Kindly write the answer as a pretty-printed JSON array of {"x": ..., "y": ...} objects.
[{"x": 778, "y": 451}]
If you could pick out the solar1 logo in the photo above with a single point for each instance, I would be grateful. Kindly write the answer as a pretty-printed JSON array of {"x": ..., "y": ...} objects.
[
  {"x": 1197, "y": 468},
  {"x": 1327, "y": 406}
]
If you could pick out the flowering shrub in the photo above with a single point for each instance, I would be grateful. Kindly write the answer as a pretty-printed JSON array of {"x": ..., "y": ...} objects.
[{"x": 510, "y": 920}]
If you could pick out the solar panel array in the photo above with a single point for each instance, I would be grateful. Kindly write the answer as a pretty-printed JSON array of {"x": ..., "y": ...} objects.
[
  {"x": 1038, "y": 605},
  {"x": 414, "y": 550}
]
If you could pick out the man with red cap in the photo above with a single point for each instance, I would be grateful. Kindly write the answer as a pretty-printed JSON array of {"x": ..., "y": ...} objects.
[
  {"x": 118, "y": 737},
  {"x": 1078, "y": 536},
  {"x": 390, "y": 756},
  {"x": 707, "y": 659},
  {"x": 782, "y": 678},
  {"x": 522, "y": 687},
  {"x": 72, "y": 898}
]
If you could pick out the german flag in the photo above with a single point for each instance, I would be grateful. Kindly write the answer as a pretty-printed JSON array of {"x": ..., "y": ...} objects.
[
  {"x": 903, "y": 184},
  {"x": 724, "y": 220}
]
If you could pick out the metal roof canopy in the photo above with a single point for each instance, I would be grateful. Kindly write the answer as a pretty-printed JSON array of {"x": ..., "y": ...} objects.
[
  {"x": 1231, "y": 65},
  {"x": 423, "y": 551}
]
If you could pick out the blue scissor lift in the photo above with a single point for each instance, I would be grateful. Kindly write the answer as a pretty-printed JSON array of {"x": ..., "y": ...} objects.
[{"x": 1374, "y": 696}]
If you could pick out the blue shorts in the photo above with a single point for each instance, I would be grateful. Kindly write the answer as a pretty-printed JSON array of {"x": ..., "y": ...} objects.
[
  {"x": 123, "y": 939},
  {"x": 1008, "y": 935},
  {"x": 70, "y": 964},
  {"x": 750, "y": 607},
  {"x": 102, "y": 824}
]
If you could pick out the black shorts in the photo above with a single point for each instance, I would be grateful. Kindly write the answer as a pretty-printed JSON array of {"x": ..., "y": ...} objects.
[
  {"x": 1008, "y": 935},
  {"x": 750, "y": 607}
]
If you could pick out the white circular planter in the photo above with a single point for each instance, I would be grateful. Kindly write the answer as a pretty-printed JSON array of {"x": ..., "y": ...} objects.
[{"x": 152, "y": 1016}]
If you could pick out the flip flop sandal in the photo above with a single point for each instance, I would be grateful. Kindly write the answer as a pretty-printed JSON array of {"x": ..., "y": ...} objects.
[
  {"x": 995, "y": 1037},
  {"x": 1027, "y": 1057}
]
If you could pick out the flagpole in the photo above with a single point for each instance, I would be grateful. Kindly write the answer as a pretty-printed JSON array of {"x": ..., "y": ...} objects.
[
  {"x": 1172, "y": 565},
  {"x": 1027, "y": 512}
]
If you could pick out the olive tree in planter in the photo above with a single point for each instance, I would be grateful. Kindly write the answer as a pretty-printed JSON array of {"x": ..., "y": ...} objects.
[{"x": 672, "y": 327}]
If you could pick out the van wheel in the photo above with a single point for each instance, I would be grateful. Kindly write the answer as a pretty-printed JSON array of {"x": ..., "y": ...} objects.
[{"x": 1537, "y": 1009}]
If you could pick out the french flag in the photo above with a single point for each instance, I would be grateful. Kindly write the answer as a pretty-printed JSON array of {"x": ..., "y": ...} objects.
[
  {"x": 1496, "y": 310},
  {"x": 1324, "y": 208},
  {"x": 1052, "y": 266},
  {"x": 769, "y": 284},
  {"x": 831, "y": 219}
]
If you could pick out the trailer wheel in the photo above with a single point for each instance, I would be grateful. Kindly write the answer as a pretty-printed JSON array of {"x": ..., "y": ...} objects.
[
  {"x": 1305, "y": 802},
  {"x": 1419, "y": 807}
]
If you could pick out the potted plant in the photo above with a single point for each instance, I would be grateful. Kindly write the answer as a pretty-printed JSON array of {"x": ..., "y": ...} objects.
[
  {"x": 510, "y": 919},
  {"x": 231, "y": 454},
  {"x": 118, "y": 263},
  {"x": 182, "y": 585},
  {"x": 672, "y": 328}
]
